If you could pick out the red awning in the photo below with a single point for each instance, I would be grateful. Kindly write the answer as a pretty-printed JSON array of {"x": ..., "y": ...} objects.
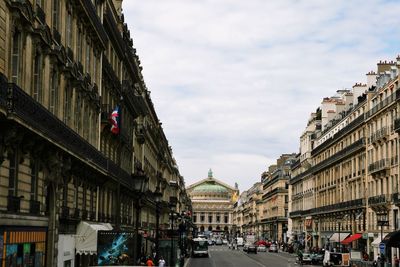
[{"x": 351, "y": 239}]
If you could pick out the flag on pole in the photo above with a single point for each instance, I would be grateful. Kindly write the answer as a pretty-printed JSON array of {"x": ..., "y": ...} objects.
[{"x": 115, "y": 120}]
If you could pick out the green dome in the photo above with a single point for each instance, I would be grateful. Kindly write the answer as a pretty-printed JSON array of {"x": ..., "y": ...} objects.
[{"x": 210, "y": 187}]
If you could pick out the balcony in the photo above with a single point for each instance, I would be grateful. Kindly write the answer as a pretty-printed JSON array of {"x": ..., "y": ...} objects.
[
  {"x": 34, "y": 207},
  {"x": 64, "y": 213},
  {"x": 380, "y": 199},
  {"x": 13, "y": 204},
  {"x": 385, "y": 102},
  {"x": 90, "y": 11},
  {"x": 85, "y": 214},
  {"x": 397, "y": 125},
  {"x": 347, "y": 205},
  {"x": 379, "y": 166},
  {"x": 39, "y": 13},
  {"x": 394, "y": 160},
  {"x": 379, "y": 135},
  {"x": 296, "y": 213},
  {"x": 56, "y": 36},
  {"x": 24, "y": 108}
]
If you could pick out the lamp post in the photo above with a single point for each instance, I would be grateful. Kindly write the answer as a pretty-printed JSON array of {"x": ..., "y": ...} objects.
[
  {"x": 172, "y": 206},
  {"x": 157, "y": 198},
  {"x": 140, "y": 186}
]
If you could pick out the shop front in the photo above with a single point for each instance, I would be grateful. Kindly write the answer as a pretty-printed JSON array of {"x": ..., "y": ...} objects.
[{"x": 23, "y": 246}]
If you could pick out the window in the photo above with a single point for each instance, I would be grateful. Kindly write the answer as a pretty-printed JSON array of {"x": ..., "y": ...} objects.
[
  {"x": 53, "y": 101},
  {"x": 37, "y": 77},
  {"x": 13, "y": 177},
  {"x": 79, "y": 45},
  {"x": 78, "y": 111},
  {"x": 55, "y": 14},
  {"x": 396, "y": 219},
  {"x": 69, "y": 28},
  {"x": 87, "y": 64},
  {"x": 67, "y": 105},
  {"x": 34, "y": 179},
  {"x": 201, "y": 218},
  {"x": 226, "y": 218},
  {"x": 210, "y": 218},
  {"x": 15, "y": 57}
]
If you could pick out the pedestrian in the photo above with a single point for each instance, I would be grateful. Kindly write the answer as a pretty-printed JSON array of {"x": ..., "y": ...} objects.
[
  {"x": 161, "y": 262},
  {"x": 396, "y": 261},
  {"x": 149, "y": 262}
]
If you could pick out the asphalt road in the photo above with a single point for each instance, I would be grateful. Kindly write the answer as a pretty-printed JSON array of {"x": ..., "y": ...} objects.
[{"x": 222, "y": 256}]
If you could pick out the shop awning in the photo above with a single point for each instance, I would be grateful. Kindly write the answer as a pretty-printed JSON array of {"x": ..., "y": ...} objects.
[
  {"x": 377, "y": 241},
  {"x": 392, "y": 239},
  {"x": 86, "y": 236},
  {"x": 335, "y": 237},
  {"x": 351, "y": 238}
]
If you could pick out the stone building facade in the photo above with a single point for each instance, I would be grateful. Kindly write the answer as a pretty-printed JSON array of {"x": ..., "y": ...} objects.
[
  {"x": 344, "y": 185},
  {"x": 65, "y": 67},
  {"x": 212, "y": 203}
]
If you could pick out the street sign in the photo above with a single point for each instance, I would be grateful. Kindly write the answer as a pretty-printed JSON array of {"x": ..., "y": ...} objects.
[{"x": 382, "y": 247}]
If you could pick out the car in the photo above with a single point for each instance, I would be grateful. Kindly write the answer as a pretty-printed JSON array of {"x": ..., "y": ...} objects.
[
  {"x": 239, "y": 241},
  {"x": 218, "y": 242},
  {"x": 317, "y": 258},
  {"x": 245, "y": 247},
  {"x": 251, "y": 248},
  {"x": 273, "y": 248},
  {"x": 210, "y": 242},
  {"x": 224, "y": 241},
  {"x": 307, "y": 258},
  {"x": 262, "y": 248}
]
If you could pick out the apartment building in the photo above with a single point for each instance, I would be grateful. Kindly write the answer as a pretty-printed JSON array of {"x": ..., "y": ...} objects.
[
  {"x": 78, "y": 133},
  {"x": 344, "y": 185},
  {"x": 275, "y": 198}
]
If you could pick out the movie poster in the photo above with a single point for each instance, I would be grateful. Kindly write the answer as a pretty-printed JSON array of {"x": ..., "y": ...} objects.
[{"x": 115, "y": 248}]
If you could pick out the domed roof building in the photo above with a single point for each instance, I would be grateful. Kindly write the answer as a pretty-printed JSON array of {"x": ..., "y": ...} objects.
[{"x": 212, "y": 202}]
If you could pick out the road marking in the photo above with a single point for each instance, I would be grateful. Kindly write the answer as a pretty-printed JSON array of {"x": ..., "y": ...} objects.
[{"x": 259, "y": 263}]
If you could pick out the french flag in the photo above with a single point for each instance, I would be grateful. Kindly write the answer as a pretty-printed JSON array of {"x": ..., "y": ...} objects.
[{"x": 115, "y": 120}]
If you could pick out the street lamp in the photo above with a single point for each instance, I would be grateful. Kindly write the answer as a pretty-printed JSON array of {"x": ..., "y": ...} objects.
[
  {"x": 140, "y": 186},
  {"x": 158, "y": 195},
  {"x": 173, "y": 200}
]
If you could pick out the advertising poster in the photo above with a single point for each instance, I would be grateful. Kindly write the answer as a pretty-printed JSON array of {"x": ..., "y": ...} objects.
[{"x": 115, "y": 248}]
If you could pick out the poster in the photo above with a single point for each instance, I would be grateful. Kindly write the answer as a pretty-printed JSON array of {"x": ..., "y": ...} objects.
[{"x": 115, "y": 248}]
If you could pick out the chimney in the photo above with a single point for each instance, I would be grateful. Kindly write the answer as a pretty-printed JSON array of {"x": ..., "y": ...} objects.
[
  {"x": 371, "y": 79},
  {"x": 385, "y": 65}
]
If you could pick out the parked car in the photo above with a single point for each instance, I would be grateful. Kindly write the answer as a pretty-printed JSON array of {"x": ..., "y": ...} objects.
[
  {"x": 317, "y": 258},
  {"x": 210, "y": 242},
  {"x": 273, "y": 248},
  {"x": 218, "y": 242},
  {"x": 245, "y": 247},
  {"x": 251, "y": 248},
  {"x": 262, "y": 248},
  {"x": 224, "y": 241},
  {"x": 239, "y": 241},
  {"x": 307, "y": 258}
]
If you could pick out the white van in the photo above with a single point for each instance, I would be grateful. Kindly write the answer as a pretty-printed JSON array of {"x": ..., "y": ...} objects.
[{"x": 240, "y": 241}]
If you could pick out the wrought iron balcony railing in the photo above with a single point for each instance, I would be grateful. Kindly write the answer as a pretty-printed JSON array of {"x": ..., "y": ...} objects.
[
  {"x": 13, "y": 204},
  {"x": 34, "y": 207},
  {"x": 23, "y": 106}
]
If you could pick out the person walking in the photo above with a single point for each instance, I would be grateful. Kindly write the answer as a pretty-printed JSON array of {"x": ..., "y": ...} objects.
[
  {"x": 161, "y": 262},
  {"x": 149, "y": 262}
]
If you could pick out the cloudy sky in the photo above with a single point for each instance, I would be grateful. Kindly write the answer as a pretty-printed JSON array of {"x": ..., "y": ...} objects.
[{"x": 233, "y": 82}]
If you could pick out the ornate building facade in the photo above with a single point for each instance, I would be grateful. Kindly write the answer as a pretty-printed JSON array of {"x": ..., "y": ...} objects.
[
  {"x": 212, "y": 203},
  {"x": 65, "y": 67}
]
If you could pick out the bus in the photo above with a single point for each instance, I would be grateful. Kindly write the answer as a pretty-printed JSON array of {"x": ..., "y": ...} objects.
[{"x": 200, "y": 247}]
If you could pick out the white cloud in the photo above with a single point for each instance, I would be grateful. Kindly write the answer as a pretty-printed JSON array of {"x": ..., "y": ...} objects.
[{"x": 234, "y": 81}]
